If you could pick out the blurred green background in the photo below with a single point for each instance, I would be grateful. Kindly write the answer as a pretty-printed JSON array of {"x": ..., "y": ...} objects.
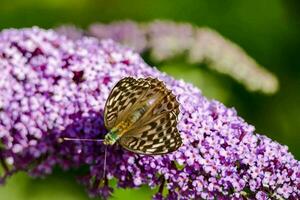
[{"x": 268, "y": 30}]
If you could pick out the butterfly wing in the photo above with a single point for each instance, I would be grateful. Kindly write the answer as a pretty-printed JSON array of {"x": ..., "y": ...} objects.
[
  {"x": 157, "y": 136},
  {"x": 121, "y": 99},
  {"x": 156, "y": 131}
]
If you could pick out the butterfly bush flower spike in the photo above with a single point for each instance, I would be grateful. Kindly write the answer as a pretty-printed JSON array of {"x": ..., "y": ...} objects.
[
  {"x": 53, "y": 87},
  {"x": 70, "y": 31},
  {"x": 127, "y": 33},
  {"x": 167, "y": 39},
  {"x": 226, "y": 57}
]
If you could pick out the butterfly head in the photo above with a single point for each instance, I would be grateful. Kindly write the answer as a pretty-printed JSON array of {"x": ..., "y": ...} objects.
[{"x": 110, "y": 138}]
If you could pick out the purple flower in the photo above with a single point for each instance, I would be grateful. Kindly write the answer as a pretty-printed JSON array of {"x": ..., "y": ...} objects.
[
  {"x": 51, "y": 87},
  {"x": 167, "y": 39},
  {"x": 226, "y": 57},
  {"x": 125, "y": 32},
  {"x": 70, "y": 31}
]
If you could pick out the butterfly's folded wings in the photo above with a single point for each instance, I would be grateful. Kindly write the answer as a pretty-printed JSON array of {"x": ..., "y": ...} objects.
[
  {"x": 121, "y": 99},
  {"x": 158, "y": 136},
  {"x": 155, "y": 132}
]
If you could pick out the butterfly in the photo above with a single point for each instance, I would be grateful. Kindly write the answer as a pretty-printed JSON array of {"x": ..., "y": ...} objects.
[{"x": 141, "y": 115}]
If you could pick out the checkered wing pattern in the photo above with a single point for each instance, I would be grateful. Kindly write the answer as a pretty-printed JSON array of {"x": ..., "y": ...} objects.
[
  {"x": 157, "y": 136},
  {"x": 121, "y": 100},
  {"x": 155, "y": 132}
]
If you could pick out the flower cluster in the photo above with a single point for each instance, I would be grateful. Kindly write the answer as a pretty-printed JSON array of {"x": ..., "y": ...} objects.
[
  {"x": 228, "y": 58},
  {"x": 71, "y": 31},
  {"x": 53, "y": 87},
  {"x": 167, "y": 39},
  {"x": 127, "y": 33}
]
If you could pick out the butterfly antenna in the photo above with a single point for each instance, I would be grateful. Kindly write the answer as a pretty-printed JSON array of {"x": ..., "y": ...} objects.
[
  {"x": 60, "y": 140},
  {"x": 104, "y": 168}
]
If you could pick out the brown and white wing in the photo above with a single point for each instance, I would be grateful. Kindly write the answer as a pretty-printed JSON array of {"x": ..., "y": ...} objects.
[
  {"x": 157, "y": 136},
  {"x": 121, "y": 99},
  {"x": 156, "y": 132}
]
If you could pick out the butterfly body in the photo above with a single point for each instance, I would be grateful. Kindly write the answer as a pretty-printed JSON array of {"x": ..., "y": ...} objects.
[
  {"x": 118, "y": 131},
  {"x": 141, "y": 115}
]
